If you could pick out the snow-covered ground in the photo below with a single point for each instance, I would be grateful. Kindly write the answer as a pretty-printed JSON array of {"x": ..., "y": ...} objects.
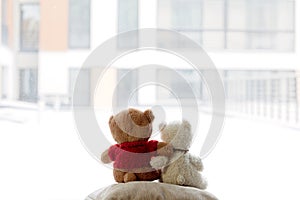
[{"x": 42, "y": 158}]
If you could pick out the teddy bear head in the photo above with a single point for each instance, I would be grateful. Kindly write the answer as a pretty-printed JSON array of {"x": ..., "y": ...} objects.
[
  {"x": 177, "y": 133},
  {"x": 131, "y": 125}
]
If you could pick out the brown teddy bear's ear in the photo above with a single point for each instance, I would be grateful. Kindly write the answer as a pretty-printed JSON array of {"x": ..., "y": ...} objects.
[
  {"x": 149, "y": 115},
  {"x": 110, "y": 119}
]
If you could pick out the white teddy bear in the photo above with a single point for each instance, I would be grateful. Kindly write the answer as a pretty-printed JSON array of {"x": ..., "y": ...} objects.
[{"x": 181, "y": 168}]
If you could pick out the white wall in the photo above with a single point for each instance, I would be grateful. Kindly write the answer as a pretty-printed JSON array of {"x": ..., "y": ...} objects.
[
  {"x": 255, "y": 61},
  {"x": 54, "y": 70},
  {"x": 6, "y": 56},
  {"x": 54, "y": 66},
  {"x": 103, "y": 21},
  {"x": 147, "y": 13}
]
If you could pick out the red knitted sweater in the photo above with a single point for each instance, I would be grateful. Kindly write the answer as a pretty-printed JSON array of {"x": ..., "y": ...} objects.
[{"x": 133, "y": 155}]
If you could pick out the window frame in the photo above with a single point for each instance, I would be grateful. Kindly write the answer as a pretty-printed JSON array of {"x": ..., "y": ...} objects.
[{"x": 226, "y": 30}]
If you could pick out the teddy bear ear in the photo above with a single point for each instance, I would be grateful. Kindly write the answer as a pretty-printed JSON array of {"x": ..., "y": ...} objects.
[
  {"x": 110, "y": 119},
  {"x": 149, "y": 115},
  {"x": 186, "y": 124},
  {"x": 162, "y": 126}
]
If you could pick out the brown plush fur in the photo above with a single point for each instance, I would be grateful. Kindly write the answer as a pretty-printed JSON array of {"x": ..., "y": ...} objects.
[{"x": 134, "y": 125}]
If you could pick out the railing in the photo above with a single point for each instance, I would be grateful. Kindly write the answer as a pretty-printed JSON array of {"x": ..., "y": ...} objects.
[{"x": 273, "y": 95}]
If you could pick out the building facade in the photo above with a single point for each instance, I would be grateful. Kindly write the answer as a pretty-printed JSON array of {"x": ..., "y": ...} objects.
[{"x": 254, "y": 44}]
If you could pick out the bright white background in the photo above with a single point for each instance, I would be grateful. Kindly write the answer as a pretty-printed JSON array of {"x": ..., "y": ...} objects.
[{"x": 44, "y": 159}]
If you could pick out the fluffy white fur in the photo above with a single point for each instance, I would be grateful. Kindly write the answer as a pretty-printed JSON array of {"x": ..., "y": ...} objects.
[{"x": 182, "y": 168}]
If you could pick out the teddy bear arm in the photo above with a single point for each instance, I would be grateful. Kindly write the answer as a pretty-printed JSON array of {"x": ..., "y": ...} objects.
[
  {"x": 105, "y": 157},
  {"x": 164, "y": 149},
  {"x": 158, "y": 162},
  {"x": 196, "y": 162}
]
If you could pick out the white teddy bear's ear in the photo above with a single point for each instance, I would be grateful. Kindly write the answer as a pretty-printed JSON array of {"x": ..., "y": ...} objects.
[
  {"x": 186, "y": 124},
  {"x": 158, "y": 162},
  {"x": 183, "y": 137},
  {"x": 162, "y": 126}
]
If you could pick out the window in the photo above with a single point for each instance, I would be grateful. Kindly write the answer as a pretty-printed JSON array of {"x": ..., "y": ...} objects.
[
  {"x": 190, "y": 77},
  {"x": 127, "y": 21},
  {"x": 28, "y": 85},
  {"x": 129, "y": 80},
  {"x": 4, "y": 82},
  {"x": 84, "y": 88},
  {"x": 127, "y": 15},
  {"x": 4, "y": 27},
  {"x": 79, "y": 23},
  {"x": 30, "y": 20},
  {"x": 201, "y": 20},
  {"x": 256, "y": 24},
  {"x": 232, "y": 24}
]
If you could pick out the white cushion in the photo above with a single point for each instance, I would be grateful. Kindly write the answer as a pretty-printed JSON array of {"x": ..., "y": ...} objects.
[{"x": 149, "y": 190}]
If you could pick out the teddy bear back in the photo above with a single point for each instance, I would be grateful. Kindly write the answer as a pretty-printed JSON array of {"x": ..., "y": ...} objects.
[{"x": 131, "y": 125}]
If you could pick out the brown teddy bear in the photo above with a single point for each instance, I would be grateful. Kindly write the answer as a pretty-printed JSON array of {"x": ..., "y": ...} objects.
[{"x": 132, "y": 129}]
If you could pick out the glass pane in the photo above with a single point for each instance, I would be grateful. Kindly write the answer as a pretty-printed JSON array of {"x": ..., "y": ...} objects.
[
  {"x": 186, "y": 15},
  {"x": 180, "y": 14},
  {"x": 130, "y": 84},
  {"x": 30, "y": 19},
  {"x": 127, "y": 21},
  {"x": 73, "y": 73},
  {"x": 237, "y": 40},
  {"x": 261, "y": 14},
  {"x": 213, "y": 14},
  {"x": 251, "y": 40},
  {"x": 79, "y": 23},
  {"x": 190, "y": 76},
  {"x": 285, "y": 15},
  {"x": 4, "y": 37},
  {"x": 4, "y": 82},
  {"x": 284, "y": 41},
  {"x": 213, "y": 40},
  {"x": 194, "y": 35},
  {"x": 84, "y": 88},
  {"x": 3, "y": 11},
  {"x": 194, "y": 79},
  {"x": 237, "y": 14},
  {"x": 4, "y": 31},
  {"x": 261, "y": 40},
  {"x": 162, "y": 93},
  {"x": 194, "y": 18},
  {"x": 28, "y": 85},
  {"x": 128, "y": 15}
]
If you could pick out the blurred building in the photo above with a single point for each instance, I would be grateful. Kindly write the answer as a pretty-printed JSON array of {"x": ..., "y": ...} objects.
[
  {"x": 45, "y": 41},
  {"x": 6, "y": 48},
  {"x": 254, "y": 44}
]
